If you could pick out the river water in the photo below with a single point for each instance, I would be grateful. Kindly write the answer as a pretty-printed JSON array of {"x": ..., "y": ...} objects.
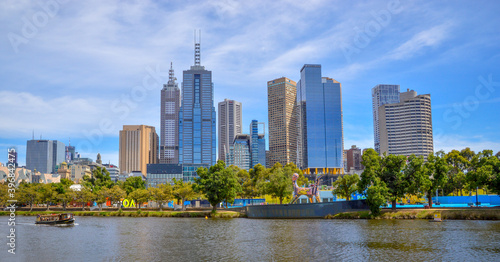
[{"x": 198, "y": 239}]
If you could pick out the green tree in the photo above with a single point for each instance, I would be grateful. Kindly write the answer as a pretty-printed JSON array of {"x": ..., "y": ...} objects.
[
  {"x": 101, "y": 196},
  {"x": 259, "y": 174},
  {"x": 83, "y": 196},
  {"x": 414, "y": 173},
  {"x": 4, "y": 194},
  {"x": 161, "y": 194},
  {"x": 370, "y": 184},
  {"x": 456, "y": 176},
  {"x": 393, "y": 177},
  {"x": 183, "y": 191},
  {"x": 133, "y": 183},
  {"x": 346, "y": 186},
  {"x": 63, "y": 192},
  {"x": 217, "y": 183},
  {"x": 436, "y": 168},
  {"x": 280, "y": 182},
  {"x": 116, "y": 194},
  {"x": 28, "y": 193},
  {"x": 494, "y": 183},
  {"x": 376, "y": 195},
  {"x": 482, "y": 167},
  {"x": 100, "y": 178},
  {"x": 139, "y": 196},
  {"x": 47, "y": 194}
]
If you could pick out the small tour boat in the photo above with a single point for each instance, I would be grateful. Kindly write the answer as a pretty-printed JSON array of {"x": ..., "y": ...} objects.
[{"x": 53, "y": 219}]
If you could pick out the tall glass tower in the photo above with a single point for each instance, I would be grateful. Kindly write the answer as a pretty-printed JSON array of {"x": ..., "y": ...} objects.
[
  {"x": 321, "y": 139},
  {"x": 197, "y": 136},
  {"x": 257, "y": 143},
  {"x": 381, "y": 95}
]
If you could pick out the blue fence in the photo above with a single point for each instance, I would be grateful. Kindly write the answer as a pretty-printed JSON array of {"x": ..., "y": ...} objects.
[{"x": 493, "y": 200}]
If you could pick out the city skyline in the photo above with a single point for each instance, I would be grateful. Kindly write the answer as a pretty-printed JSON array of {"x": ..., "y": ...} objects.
[{"x": 75, "y": 79}]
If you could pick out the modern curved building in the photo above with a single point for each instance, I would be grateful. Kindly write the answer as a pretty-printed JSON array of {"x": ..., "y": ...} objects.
[{"x": 406, "y": 127}]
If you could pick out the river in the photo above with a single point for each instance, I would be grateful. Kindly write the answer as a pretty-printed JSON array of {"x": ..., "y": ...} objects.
[{"x": 195, "y": 239}]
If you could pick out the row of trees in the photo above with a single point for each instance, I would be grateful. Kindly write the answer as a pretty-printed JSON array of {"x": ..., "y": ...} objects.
[
  {"x": 391, "y": 177},
  {"x": 218, "y": 183}
]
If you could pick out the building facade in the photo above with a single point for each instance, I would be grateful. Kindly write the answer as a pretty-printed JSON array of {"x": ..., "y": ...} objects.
[
  {"x": 44, "y": 155},
  {"x": 138, "y": 147},
  {"x": 230, "y": 125},
  {"x": 353, "y": 163},
  {"x": 163, "y": 174},
  {"x": 381, "y": 95},
  {"x": 169, "y": 130},
  {"x": 282, "y": 119},
  {"x": 406, "y": 127},
  {"x": 258, "y": 143},
  {"x": 240, "y": 152},
  {"x": 320, "y": 127},
  {"x": 197, "y": 130}
]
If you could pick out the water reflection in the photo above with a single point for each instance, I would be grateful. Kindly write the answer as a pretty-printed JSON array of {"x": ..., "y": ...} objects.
[{"x": 193, "y": 239}]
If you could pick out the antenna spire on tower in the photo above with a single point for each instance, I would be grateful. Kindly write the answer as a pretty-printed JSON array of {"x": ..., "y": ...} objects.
[
  {"x": 171, "y": 77},
  {"x": 197, "y": 51}
]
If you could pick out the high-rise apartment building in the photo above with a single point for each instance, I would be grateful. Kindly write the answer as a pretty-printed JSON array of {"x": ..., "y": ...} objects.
[
  {"x": 381, "y": 95},
  {"x": 138, "y": 147},
  {"x": 197, "y": 135},
  {"x": 230, "y": 125},
  {"x": 406, "y": 127},
  {"x": 321, "y": 142},
  {"x": 169, "y": 130},
  {"x": 257, "y": 143},
  {"x": 44, "y": 155},
  {"x": 282, "y": 119}
]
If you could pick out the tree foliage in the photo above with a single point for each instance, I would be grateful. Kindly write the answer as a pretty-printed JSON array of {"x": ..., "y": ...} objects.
[
  {"x": 345, "y": 186},
  {"x": 133, "y": 183}
]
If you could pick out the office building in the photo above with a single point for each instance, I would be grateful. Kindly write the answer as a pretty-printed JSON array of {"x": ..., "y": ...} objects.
[
  {"x": 230, "y": 119},
  {"x": 170, "y": 105},
  {"x": 321, "y": 142},
  {"x": 197, "y": 135},
  {"x": 282, "y": 119},
  {"x": 258, "y": 143},
  {"x": 239, "y": 153},
  {"x": 353, "y": 156},
  {"x": 406, "y": 127},
  {"x": 138, "y": 147},
  {"x": 381, "y": 95},
  {"x": 44, "y": 155},
  {"x": 163, "y": 174},
  {"x": 114, "y": 171}
]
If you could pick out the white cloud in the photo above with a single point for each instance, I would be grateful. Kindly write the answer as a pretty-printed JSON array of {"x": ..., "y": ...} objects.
[{"x": 458, "y": 142}]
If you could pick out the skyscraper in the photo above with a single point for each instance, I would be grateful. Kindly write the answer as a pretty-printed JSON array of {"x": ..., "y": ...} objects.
[
  {"x": 169, "y": 130},
  {"x": 239, "y": 152},
  {"x": 257, "y": 143},
  {"x": 138, "y": 147},
  {"x": 321, "y": 143},
  {"x": 281, "y": 101},
  {"x": 197, "y": 136},
  {"x": 406, "y": 127},
  {"x": 44, "y": 155},
  {"x": 230, "y": 119},
  {"x": 381, "y": 95}
]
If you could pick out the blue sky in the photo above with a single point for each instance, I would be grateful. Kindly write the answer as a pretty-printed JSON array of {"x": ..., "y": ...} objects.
[{"x": 83, "y": 69}]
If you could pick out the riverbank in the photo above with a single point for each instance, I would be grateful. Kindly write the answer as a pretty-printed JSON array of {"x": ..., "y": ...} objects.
[
  {"x": 139, "y": 213},
  {"x": 451, "y": 214}
]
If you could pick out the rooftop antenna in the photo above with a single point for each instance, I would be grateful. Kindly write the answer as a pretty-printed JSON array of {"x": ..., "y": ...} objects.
[
  {"x": 197, "y": 55},
  {"x": 69, "y": 141},
  {"x": 171, "y": 77}
]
